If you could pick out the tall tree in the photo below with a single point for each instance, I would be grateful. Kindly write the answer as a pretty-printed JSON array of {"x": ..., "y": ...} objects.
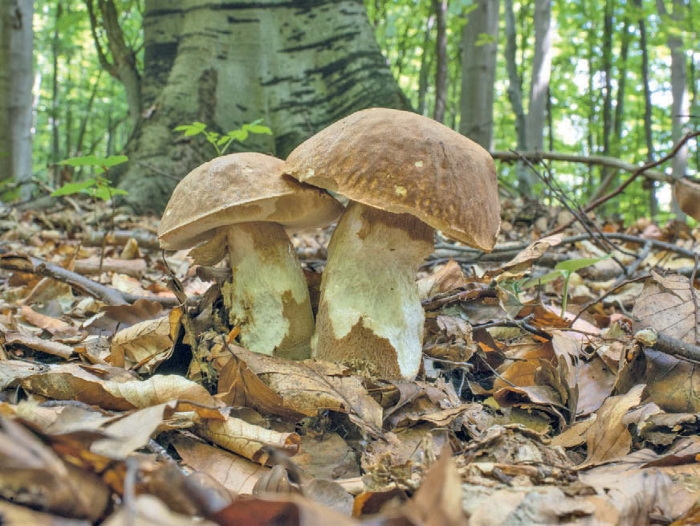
[
  {"x": 541, "y": 72},
  {"x": 479, "y": 46},
  {"x": 679, "y": 89},
  {"x": 16, "y": 78},
  {"x": 298, "y": 66},
  {"x": 440, "y": 8}
]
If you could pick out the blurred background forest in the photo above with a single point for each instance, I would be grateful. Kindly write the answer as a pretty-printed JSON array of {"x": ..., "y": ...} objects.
[{"x": 615, "y": 79}]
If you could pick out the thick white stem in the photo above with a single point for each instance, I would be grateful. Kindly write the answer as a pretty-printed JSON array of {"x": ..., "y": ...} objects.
[
  {"x": 370, "y": 314},
  {"x": 268, "y": 297}
]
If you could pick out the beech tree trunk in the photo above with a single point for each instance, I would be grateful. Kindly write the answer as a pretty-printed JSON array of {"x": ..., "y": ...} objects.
[
  {"x": 16, "y": 79},
  {"x": 680, "y": 107},
  {"x": 298, "y": 66},
  {"x": 479, "y": 46},
  {"x": 440, "y": 8},
  {"x": 541, "y": 72}
]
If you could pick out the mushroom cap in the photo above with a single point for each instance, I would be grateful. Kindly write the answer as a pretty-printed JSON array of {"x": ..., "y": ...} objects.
[
  {"x": 402, "y": 162},
  {"x": 240, "y": 188}
]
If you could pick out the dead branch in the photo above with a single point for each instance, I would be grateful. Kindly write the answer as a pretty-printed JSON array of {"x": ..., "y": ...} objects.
[
  {"x": 108, "y": 295},
  {"x": 599, "y": 160}
]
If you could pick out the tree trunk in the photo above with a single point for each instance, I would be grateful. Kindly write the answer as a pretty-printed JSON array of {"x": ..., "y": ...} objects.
[
  {"x": 648, "y": 136},
  {"x": 16, "y": 91},
  {"x": 541, "y": 71},
  {"x": 680, "y": 107},
  {"x": 440, "y": 7},
  {"x": 479, "y": 46},
  {"x": 298, "y": 66}
]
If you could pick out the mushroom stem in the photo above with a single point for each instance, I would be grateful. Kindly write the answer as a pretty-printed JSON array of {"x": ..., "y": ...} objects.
[
  {"x": 268, "y": 297},
  {"x": 370, "y": 315}
]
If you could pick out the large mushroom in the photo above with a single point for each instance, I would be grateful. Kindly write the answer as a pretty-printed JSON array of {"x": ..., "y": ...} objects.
[
  {"x": 405, "y": 175},
  {"x": 241, "y": 204}
]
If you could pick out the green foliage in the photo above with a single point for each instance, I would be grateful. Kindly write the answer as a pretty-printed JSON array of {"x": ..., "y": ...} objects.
[
  {"x": 563, "y": 269},
  {"x": 222, "y": 142},
  {"x": 97, "y": 187}
]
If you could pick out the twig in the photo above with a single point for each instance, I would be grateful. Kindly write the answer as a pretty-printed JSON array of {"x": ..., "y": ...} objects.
[
  {"x": 511, "y": 250},
  {"x": 108, "y": 295},
  {"x": 612, "y": 162}
]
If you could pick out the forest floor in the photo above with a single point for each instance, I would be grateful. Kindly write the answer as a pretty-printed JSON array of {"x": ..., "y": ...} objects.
[{"x": 558, "y": 385}]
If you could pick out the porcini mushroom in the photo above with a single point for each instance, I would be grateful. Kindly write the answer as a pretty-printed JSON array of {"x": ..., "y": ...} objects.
[
  {"x": 405, "y": 175},
  {"x": 241, "y": 204}
]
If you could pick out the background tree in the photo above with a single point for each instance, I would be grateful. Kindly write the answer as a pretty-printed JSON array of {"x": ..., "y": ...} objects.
[
  {"x": 479, "y": 45},
  {"x": 16, "y": 90},
  {"x": 297, "y": 66}
]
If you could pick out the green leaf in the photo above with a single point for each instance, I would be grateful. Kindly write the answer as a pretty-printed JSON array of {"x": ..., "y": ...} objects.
[
  {"x": 93, "y": 160},
  {"x": 238, "y": 135},
  {"x": 550, "y": 276},
  {"x": 73, "y": 188},
  {"x": 572, "y": 265},
  {"x": 257, "y": 128},
  {"x": 106, "y": 193},
  {"x": 192, "y": 129}
]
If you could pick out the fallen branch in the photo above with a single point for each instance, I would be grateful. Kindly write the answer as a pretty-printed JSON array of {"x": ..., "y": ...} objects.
[{"x": 108, "y": 295}]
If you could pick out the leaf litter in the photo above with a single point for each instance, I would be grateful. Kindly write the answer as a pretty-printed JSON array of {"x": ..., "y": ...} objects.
[{"x": 121, "y": 402}]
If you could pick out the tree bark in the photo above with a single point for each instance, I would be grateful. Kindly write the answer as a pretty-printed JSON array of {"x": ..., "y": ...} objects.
[
  {"x": 479, "y": 47},
  {"x": 440, "y": 7},
  {"x": 298, "y": 66},
  {"x": 16, "y": 79},
  {"x": 680, "y": 107},
  {"x": 541, "y": 72}
]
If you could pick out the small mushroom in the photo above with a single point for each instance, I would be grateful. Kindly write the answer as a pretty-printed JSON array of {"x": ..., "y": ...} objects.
[
  {"x": 241, "y": 204},
  {"x": 405, "y": 175}
]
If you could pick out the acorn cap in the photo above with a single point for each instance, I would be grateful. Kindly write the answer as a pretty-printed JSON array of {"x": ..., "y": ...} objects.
[
  {"x": 240, "y": 188},
  {"x": 402, "y": 162}
]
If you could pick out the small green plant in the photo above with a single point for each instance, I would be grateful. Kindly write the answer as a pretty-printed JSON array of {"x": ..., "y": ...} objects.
[
  {"x": 563, "y": 269},
  {"x": 222, "y": 142},
  {"x": 97, "y": 187}
]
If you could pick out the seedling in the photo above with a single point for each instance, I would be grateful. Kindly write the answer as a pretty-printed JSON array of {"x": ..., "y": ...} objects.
[
  {"x": 222, "y": 142},
  {"x": 563, "y": 269},
  {"x": 97, "y": 187}
]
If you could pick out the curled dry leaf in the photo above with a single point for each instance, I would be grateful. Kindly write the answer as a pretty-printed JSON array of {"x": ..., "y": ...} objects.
[
  {"x": 235, "y": 473},
  {"x": 146, "y": 344},
  {"x": 73, "y": 382},
  {"x": 246, "y": 439}
]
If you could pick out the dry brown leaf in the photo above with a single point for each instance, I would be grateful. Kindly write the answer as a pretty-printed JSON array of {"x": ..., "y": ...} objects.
[
  {"x": 38, "y": 344},
  {"x": 307, "y": 387},
  {"x": 33, "y": 474},
  {"x": 293, "y": 510},
  {"x": 246, "y": 439},
  {"x": 688, "y": 195},
  {"x": 448, "y": 277},
  {"x": 15, "y": 515},
  {"x": 438, "y": 501},
  {"x": 608, "y": 438},
  {"x": 673, "y": 383},
  {"x": 526, "y": 257},
  {"x": 74, "y": 382},
  {"x": 146, "y": 344},
  {"x": 147, "y": 510},
  {"x": 12, "y": 371},
  {"x": 667, "y": 305},
  {"x": 234, "y": 472}
]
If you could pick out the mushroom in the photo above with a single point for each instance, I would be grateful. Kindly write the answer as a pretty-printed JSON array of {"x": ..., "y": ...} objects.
[
  {"x": 241, "y": 203},
  {"x": 405, "y": 175}
]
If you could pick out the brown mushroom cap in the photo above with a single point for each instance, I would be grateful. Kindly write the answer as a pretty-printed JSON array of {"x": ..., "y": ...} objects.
[
  {"x": 402, "y": 162},
  {"x": 240, "y": 188}
]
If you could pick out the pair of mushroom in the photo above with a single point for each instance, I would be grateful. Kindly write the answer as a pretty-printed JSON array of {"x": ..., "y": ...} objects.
[{"x": 405, "y": 175}]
